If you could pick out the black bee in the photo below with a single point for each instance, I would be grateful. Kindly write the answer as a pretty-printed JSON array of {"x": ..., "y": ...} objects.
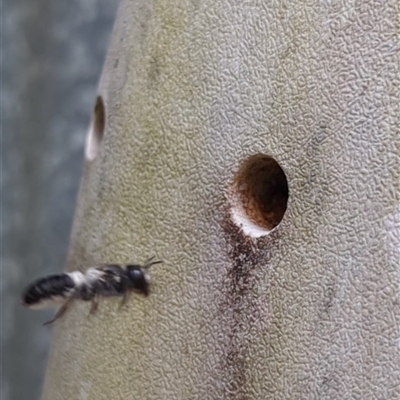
[{"x": 103, "y": 281}]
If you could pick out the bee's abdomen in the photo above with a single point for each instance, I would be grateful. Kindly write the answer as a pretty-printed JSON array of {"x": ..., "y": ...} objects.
[{"x": 46, "y": 291}]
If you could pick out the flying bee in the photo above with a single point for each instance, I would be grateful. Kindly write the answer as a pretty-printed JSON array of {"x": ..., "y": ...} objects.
[{"x": 103, "y": 281}]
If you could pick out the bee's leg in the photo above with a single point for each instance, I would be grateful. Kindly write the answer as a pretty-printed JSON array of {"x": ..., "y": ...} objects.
[
  {"x": 125, "y": 292},
  {"x": 60, "y": 312},
  {"x": 124, "y": 300},
  {"x": 94, "y": 305}
]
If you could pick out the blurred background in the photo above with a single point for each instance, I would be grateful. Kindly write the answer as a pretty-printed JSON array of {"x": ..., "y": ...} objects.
[{"x": 52, "y": 56}]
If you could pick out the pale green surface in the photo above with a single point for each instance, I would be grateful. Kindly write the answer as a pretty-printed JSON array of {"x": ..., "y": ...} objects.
[{"x": 311, "y": 312}]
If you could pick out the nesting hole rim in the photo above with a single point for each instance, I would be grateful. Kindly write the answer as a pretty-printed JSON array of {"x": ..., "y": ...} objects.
[{"x": 259, "y": 195}]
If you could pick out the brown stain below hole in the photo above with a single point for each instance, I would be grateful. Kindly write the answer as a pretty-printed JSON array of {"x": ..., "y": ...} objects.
[
  {"x": 243, "y": 308},
  {"x": 259, "y": 194}
]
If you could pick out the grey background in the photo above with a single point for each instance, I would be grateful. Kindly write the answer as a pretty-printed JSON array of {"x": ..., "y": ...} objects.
[{"x": 52, "y": 56}]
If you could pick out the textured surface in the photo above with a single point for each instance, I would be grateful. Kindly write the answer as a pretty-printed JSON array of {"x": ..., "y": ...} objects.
[{"x": 312, "y": 311}]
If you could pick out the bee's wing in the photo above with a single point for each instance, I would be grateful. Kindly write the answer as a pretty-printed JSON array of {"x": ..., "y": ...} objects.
[{"x": 110, "y": 280}]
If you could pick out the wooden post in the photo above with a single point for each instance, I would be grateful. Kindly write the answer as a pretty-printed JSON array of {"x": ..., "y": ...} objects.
[{"x": 190, "y": 90}]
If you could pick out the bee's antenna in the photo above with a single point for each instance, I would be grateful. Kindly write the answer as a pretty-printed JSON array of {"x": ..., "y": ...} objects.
[{"x": 149, "y": 262}]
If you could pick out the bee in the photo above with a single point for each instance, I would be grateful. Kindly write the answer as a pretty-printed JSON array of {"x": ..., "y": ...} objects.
[{"x": 103, "y": 281}]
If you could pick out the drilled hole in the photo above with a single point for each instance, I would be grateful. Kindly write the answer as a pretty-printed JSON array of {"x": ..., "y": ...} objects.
[
  {"x": 96, "y": 130},
  {"x": 259, "y": 195}
]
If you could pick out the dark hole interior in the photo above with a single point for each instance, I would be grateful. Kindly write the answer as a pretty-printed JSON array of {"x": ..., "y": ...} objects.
[{"x": 262, "y": 189}]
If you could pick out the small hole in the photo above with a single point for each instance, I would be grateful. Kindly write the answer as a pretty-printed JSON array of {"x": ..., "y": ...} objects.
[
  {"x": 259, "y": 195},
  {"x": 96, "y": 130}
]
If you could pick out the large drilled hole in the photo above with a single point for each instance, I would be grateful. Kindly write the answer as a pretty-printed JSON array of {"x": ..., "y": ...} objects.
[
  {"x": 259, "y": 195},
  {"x": 96, "y": 130}
]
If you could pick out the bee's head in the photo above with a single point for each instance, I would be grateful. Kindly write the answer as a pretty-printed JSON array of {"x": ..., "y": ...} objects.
[{"x": 139, "y": 280}]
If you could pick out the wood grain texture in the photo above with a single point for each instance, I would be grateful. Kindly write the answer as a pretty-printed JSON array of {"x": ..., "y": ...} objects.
[{"x": 192, "y": 88}]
